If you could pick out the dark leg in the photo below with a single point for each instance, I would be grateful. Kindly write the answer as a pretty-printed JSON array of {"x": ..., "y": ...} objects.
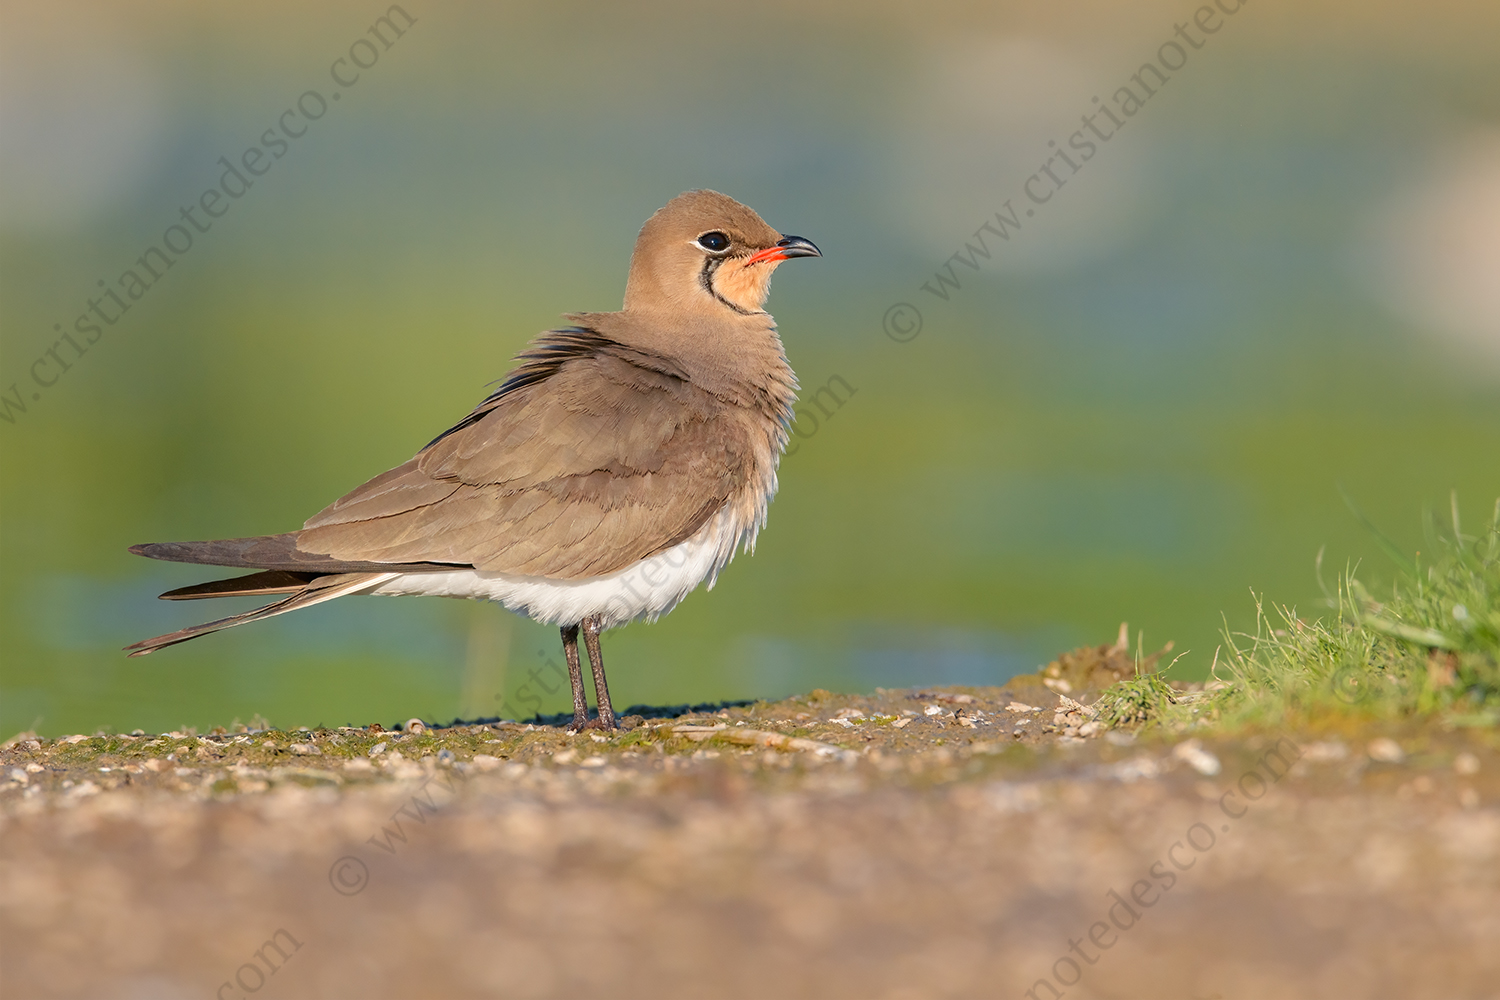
[
  {"x": 575, "y": 674},
  {"x": 596, "y": 660}
]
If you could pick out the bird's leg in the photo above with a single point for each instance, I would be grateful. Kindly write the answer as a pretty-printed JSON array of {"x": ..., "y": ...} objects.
[
  {"x": 596, "y": 660},
  {"x": 575, "y": 674}
]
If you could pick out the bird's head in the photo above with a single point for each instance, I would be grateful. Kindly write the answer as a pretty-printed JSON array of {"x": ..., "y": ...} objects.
[{"x": 704, "y": 251}]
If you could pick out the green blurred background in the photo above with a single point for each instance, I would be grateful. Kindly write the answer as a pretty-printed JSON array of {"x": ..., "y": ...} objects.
[{"x": 1281, "y": 279}]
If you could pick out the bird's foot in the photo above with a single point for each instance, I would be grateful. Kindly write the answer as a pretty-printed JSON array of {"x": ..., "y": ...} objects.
[{"x": 579, "y": 725}]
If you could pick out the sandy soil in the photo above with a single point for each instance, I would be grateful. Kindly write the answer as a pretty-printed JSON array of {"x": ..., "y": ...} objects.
[{"x": 909, "y": 844}]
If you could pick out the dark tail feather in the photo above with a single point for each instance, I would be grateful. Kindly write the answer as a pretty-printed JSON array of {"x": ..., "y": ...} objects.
[
  {"x": 269, "y": 552},
  {"x": 258, "y": 552},
  {"x": 322, "y": 589},
  {"x": 271, "y": 581}
]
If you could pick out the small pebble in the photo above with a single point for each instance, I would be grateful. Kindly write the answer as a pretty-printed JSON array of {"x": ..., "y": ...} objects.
[
  {"x": 1322, "y": 753},
  {"x": 377, "y": 749},
  {"x": 1136, "y": 768},
  {"x": 1192, "y": 753},
  {"x": 932, "y": 710},
  {"x": 1385, "y": 750}
]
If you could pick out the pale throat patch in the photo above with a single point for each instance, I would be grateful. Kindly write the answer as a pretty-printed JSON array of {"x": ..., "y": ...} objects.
[{"x": 745, "y": 286}]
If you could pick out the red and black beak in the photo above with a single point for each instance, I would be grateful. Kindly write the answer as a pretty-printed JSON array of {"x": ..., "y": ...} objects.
[{"x": 785, "y": 249}]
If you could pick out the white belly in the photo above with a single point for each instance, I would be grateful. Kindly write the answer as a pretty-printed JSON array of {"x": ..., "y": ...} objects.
[{"x": 641, "y": 592}]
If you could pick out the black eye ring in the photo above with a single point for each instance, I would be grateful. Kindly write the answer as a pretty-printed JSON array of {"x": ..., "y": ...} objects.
[{"x": 713, "y": 242}]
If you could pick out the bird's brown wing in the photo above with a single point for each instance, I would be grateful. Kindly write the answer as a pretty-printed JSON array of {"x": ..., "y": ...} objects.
[{"x": 577, "y": 471}]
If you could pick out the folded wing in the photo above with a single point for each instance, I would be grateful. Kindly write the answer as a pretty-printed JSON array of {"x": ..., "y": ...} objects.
[{"x": 589, "y": 459}]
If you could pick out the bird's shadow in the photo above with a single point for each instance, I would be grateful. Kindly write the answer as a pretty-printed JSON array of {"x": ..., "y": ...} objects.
[{"x": 643, "y": 712}]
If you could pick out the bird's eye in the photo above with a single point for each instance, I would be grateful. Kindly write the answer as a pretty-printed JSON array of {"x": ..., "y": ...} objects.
[{"x": 714, "y": 242}]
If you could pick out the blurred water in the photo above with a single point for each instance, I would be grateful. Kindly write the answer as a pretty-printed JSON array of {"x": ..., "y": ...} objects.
[{"x": 1139, "y": 408}]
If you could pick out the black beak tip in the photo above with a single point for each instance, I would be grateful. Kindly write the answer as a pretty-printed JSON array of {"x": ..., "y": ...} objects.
[{"x": 796, "y": 246}]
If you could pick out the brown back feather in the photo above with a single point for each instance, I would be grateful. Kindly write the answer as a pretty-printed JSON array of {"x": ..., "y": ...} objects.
[{"x": 591, "y": 456}]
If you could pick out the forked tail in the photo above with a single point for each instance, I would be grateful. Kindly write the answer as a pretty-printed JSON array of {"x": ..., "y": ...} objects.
[{"x": 316, "y": 591}]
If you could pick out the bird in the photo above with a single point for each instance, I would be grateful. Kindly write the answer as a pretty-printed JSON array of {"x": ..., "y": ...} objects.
[{"x": 623, "y": 461}]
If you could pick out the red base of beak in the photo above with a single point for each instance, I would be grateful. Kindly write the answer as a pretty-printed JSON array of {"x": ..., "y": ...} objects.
[{"x": 770, "y": 253}]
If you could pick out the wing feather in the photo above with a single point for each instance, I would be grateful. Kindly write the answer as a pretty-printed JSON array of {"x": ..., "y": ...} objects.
[{"x": 577, "y": 470}]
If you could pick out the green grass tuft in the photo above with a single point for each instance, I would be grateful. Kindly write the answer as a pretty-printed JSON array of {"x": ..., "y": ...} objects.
[{"x": 1429, "y": 649}]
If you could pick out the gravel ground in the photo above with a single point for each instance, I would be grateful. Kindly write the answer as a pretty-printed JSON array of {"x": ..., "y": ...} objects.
[{"x": 952, "y": 843}]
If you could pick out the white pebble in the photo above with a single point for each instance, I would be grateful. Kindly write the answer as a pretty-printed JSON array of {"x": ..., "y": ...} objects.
[{"x": 1195, "y": 756}]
